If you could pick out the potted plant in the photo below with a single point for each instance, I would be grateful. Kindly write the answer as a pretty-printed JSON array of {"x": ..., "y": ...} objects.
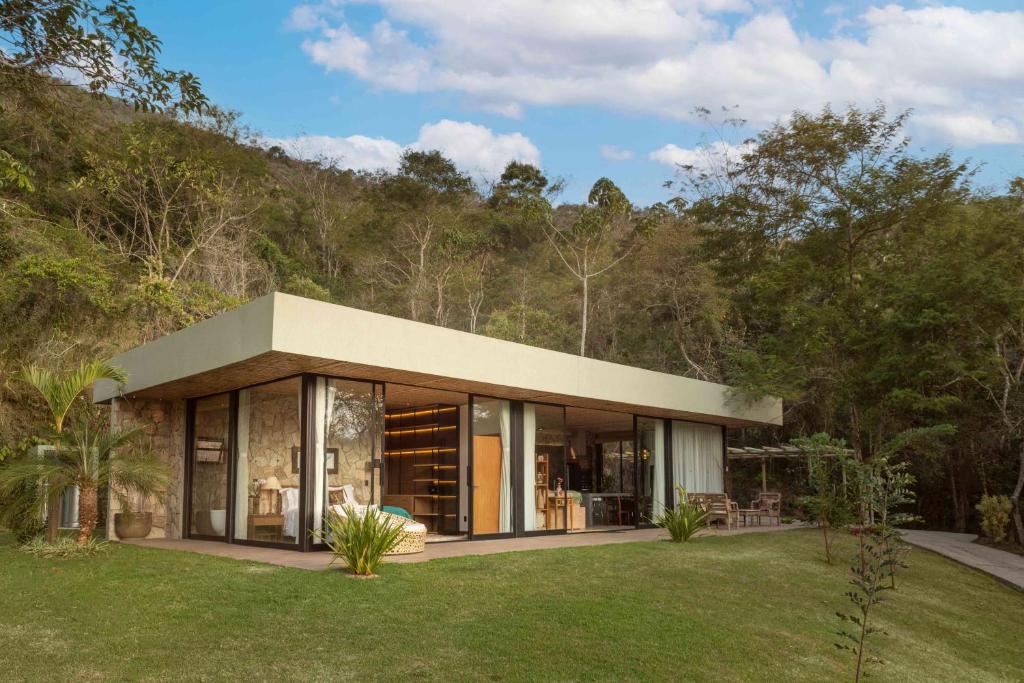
[{"x": 134, "y": 521}]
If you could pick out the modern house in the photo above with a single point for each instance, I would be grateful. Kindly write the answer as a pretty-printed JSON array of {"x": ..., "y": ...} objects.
[{"x": 271, "y": 412}]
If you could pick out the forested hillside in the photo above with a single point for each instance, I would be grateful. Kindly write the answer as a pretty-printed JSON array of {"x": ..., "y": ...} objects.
[{"x": 874, "y": 288}]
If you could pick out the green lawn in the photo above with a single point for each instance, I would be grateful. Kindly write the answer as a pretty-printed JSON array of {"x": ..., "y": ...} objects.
[{"x": 754, "y": 607}]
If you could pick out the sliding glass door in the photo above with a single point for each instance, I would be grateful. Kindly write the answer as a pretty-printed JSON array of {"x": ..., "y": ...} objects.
[
  {"x": 547, "y": 505},
  {"x": 208, "y": 495},
  {"x": 492, "y": 466},
  {"x": 697, "y": 457},
  {"x": 268, "y": 465},
  {"x": 650, "y": 477},
  {"x": 346, "y": 442}
]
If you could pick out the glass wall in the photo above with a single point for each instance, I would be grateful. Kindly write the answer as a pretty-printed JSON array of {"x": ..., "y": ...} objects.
[
  {"x": 697, "y": 457},
  {"x": 650, "y": 485},
  {"x": 269, "y": 464},
  {"x": 545, "y": 497},
  {"x": 617, "y": 463},
  {"x": 210, "y": 447},
  {"x": 492, "y": 467},
  {"x": 345, "y": 439}
]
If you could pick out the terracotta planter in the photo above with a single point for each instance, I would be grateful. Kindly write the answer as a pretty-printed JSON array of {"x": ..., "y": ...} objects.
[{"x": 133, "y": 524}]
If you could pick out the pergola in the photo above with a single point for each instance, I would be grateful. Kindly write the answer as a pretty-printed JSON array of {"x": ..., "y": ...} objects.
[{"x": 764, "y": 453}]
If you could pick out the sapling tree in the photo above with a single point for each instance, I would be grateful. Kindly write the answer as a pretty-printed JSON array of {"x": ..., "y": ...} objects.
[
  {"x": 870, "y": 572},
  {"x": 829, "y": 504},
  {"x": 891, "y": 489}
]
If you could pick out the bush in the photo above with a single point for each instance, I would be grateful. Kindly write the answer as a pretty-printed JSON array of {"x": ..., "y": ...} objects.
[
  {"x": 360, "y": 540},
  {"x": 65, "y": 548},
  {"x": 995, "y": 516},
  {"x": 300, "y": 285},
  {"x": 683, "y": 521},
  {"x": 27, "y": 527},
  {"x": 20, "y": 512}
]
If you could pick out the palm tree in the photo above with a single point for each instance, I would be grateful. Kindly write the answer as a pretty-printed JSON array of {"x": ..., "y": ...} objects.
[
  {"x": 59, "y": 393},
  {"x": 91, "y": 456}
]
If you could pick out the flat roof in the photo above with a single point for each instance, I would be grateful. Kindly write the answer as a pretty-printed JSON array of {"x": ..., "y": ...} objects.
[{"x": 279, "y": 335}]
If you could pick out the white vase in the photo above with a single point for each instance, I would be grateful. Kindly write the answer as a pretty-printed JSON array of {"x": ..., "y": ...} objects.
[{"x": 218, "y": 521}]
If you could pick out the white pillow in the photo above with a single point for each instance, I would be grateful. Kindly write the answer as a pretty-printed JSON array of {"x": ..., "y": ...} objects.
[{"x": 348, "y": 495}]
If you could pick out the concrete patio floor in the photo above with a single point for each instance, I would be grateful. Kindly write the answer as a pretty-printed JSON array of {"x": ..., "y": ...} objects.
[{"x": 434, "y": 551}]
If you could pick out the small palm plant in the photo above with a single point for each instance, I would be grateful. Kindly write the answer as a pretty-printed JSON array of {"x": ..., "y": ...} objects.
[
  {"x": 682, "y": 521},
  {"x": 86, "y": 454},
  {"x": 360, "y": 540},
  {"x": 92, "y": 456}
]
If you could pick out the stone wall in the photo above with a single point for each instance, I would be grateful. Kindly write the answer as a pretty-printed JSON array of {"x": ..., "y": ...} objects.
[
  {"x": 273, "y": 432},
  {"x": 355, "y": 455},
  {"x": 163, "y": 424}
]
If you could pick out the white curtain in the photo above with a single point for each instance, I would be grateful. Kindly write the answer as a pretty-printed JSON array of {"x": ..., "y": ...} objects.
[
  {"x": 658, "y": 483},
  {"x": 530, "y": 468},
  {"x": 242, "y": 469},
  {"x": 697, "y": 457},
  {"x": 324, "y": 413},
  {"x": 505, "y": 484}
]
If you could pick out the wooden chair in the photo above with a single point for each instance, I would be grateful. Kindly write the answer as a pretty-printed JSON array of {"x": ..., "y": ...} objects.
[
  {"x": 718, "y": 506},
  {"x": 769, "y": 504}
]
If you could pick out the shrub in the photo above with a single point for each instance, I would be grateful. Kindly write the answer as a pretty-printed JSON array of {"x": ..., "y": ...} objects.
[
  {"x": 683, "y": 521},
  {"x": 20, "y": 512},
  {"x": 300, "y": 285},
  {"x": 65, "y": 548},
  {"x": 995, "y": 516},
  {"x": 27, "y": 527},
  {"x": 360, "y": 540}
]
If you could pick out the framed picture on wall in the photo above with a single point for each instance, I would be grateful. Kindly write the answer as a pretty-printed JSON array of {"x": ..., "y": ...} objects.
[
  {"x": 330, "y": 460},
  {"x": 209, "y": 450}
]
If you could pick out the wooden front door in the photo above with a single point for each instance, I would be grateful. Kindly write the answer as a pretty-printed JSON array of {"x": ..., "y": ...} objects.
[{"x": 486, "y": 483}]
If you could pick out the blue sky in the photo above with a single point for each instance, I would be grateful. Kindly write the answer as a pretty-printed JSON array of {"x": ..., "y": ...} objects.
[{"x": 591, "y": 88}]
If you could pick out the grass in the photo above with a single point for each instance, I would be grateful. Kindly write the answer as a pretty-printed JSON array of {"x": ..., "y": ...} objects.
[{"x": 751, "y": 607}]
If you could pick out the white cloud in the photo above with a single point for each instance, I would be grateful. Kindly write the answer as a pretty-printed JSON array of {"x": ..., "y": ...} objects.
[
  {"x": 666, "y": 57},
  {"x": 356, "y": 152},
  {"x": 613, "y": 153},
  {"x": 512, "y": 110},
  {"x": 304, "y": 18},
  {"x": 707, "y": 157},
  {"x": 968, "y": 130},
  {"x": 474, "y": 148}
]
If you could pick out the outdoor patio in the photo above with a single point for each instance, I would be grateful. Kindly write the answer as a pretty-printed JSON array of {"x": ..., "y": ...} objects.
[{"x": 435, "y": 551}]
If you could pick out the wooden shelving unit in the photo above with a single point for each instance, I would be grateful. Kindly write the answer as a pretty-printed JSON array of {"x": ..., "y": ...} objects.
[{"x": 421, "y": 460}]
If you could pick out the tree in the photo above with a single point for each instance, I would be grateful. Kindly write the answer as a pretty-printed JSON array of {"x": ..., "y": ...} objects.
[
  {"x": 59, "y": 393},
  {"x": 47, "y": 44},
  {"x": 799, "y": 226},
  {"x": 161, "y": 208},
  {"x": 100, "y": 45},
  {"x": 91, "y": 456},
  {"x": 424, "y": 210},
  {"x": 674, "y": 314},
  {"x": 592, "y": 239},
  {"x": 829, "y": 505}
]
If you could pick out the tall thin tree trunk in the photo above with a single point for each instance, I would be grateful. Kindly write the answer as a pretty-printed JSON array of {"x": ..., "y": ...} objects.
[
  {"x": 1015, "y": 497},
  {"x": 88, "y": 513},
  {"x": 959, "y": 521},
  {"x": 583, "y": 315}
]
